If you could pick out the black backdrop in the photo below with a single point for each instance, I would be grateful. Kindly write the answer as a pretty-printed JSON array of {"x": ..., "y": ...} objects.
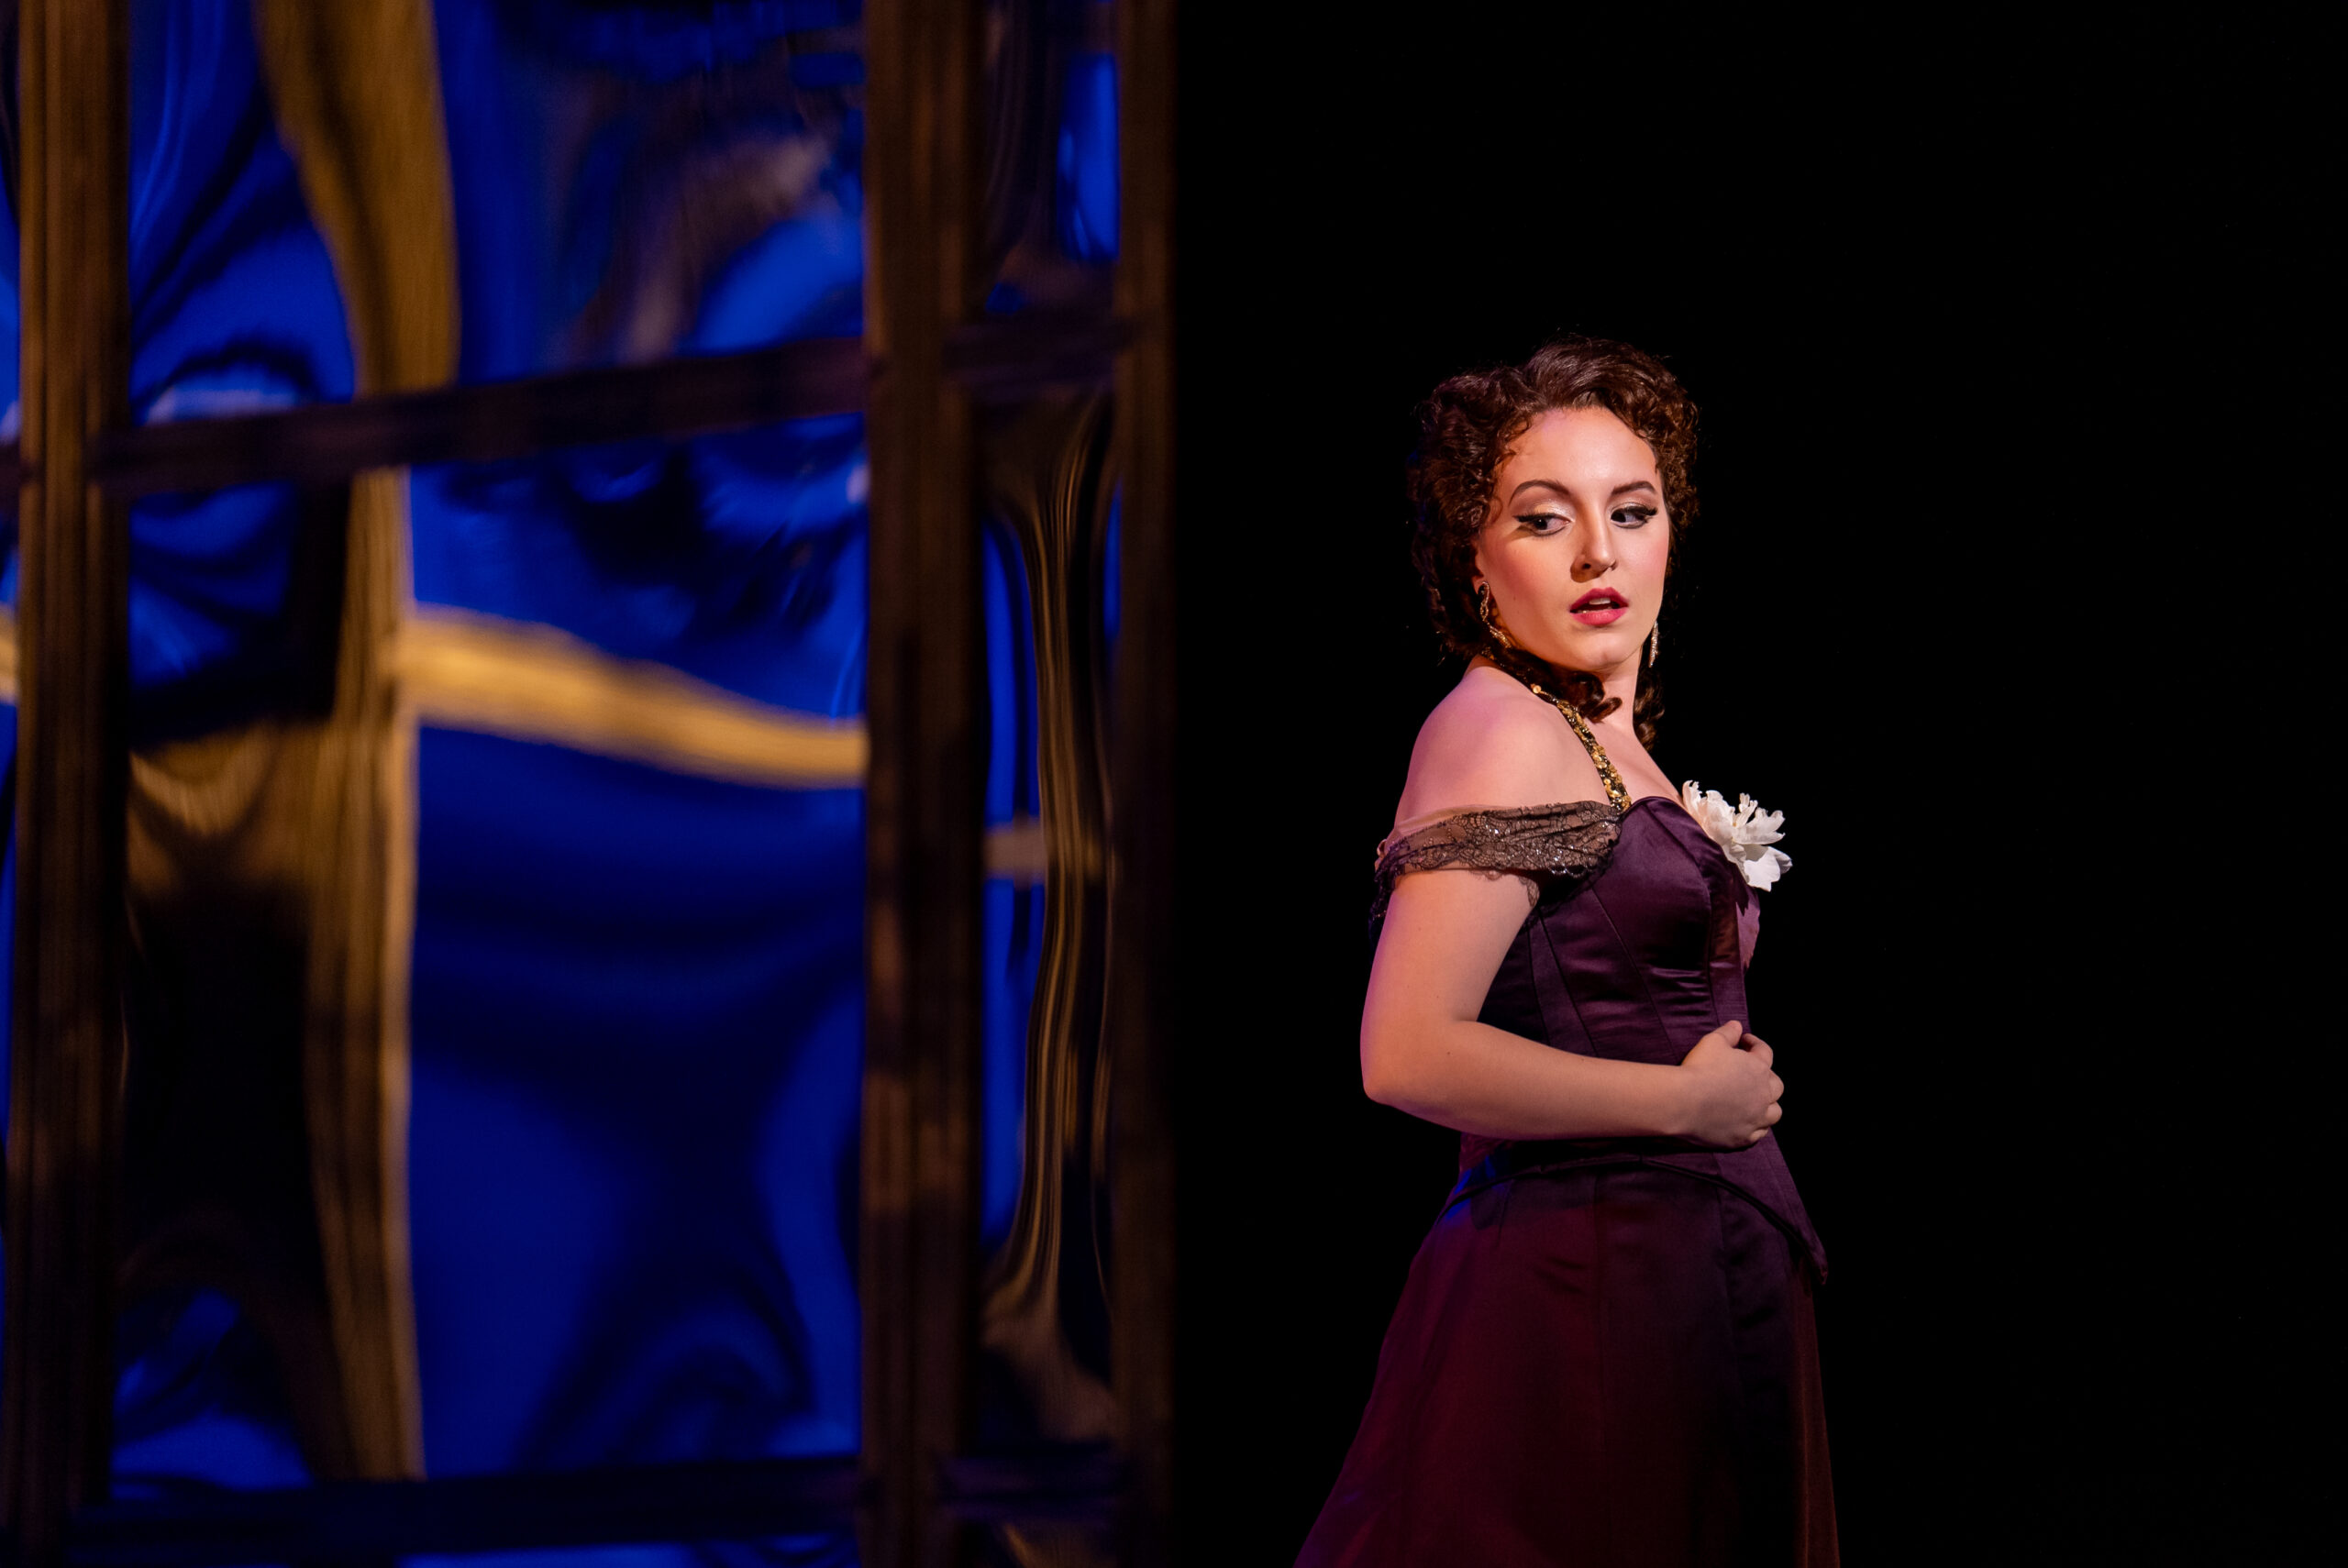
[{"x": 2002, "y": 492}]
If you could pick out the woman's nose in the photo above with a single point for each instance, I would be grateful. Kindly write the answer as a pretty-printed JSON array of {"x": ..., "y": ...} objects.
[{"x": 1596, "y": 555}]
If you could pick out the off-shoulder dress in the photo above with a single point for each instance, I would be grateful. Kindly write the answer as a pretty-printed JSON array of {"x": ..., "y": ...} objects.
[{"x": 1605, "y": 1354}]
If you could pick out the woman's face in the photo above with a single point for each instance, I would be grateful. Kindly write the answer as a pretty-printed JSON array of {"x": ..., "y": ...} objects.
[{"x": 1574, "y": 541}]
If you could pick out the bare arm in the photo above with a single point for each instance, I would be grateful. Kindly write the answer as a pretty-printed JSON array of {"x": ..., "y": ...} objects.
[{"x": 1445, "y": 934}]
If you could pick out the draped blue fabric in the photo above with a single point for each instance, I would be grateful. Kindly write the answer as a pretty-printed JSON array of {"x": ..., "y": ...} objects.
[
  {"x": 636, "y": 1009},
  {"x": 11, "y": 420},
  {"x": 199, "y": 1400},
  {"x": 12, "y": 413},
  {"x": 634, "y": 181},
  {"x": 7, "y": 898},
  {"x": 1012, "y": 914},
  {"x": 233, "y": 309},
  {"x": 737, "y": 558},
  {"x": 636, "y": 1018},
  {"x": 1084, "y": 207},
  {"x": 1112, "y": 576}
]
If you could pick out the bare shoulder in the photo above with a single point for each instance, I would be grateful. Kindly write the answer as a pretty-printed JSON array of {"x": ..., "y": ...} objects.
[{"x": 1492, "y": 742}]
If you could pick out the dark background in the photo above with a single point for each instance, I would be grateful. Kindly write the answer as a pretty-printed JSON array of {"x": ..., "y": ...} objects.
[{"x": 2008, "y": 367}]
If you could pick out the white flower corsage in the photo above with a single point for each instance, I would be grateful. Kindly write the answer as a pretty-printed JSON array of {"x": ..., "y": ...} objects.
[{"x": 1744, "y": 831}]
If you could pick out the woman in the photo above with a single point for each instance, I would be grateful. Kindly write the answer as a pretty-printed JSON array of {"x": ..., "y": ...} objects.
[{"x": 1605, "y": 1354}]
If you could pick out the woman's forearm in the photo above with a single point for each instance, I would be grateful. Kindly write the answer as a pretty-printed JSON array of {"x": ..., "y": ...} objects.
[{"x": 1492, "y": 1084}]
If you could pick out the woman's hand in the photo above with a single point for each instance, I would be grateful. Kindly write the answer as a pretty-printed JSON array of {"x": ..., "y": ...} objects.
[{"x": 1732, "y": 1093}]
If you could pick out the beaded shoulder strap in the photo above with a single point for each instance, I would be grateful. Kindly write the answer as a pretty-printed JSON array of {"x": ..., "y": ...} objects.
[{"x": 1615, "y": 792}]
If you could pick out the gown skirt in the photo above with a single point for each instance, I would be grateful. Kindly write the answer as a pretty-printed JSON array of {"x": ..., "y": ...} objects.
[
  {"x": 1605, "y": 1355},
  {"x": 1647, "y": 1334}
]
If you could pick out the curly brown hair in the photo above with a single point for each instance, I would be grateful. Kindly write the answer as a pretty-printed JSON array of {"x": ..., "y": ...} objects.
[{"x": 1466, "y": 430}]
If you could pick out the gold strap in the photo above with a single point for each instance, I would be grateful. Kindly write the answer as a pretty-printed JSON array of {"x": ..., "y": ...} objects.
[{"x": 1615, "y": 792}]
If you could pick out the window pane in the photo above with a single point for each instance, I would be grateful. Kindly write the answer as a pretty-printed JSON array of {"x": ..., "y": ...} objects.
[
  {"x": 636, "y": 1046},
  {"x": 235, "y": 596},
  {"x": 737, "y": 559},
  {"x": 12, "y": 412},
  {"x": 233, "y": 304},
  {"x": 1045, "y": 1223},
  {"x": 637, "y": 1021},
  {"x": 1051, "y": 195},
  {"x": 200, "y": 1400},
  {"x": 7, "y": 896},
  {"x": 1013, "y": 916},
  {"x": 638, "y": 181},
  {"x": 779, "y": 1551}
]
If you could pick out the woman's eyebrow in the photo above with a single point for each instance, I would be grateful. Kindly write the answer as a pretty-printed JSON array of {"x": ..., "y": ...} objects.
[{"x": 1647, "y": 485}]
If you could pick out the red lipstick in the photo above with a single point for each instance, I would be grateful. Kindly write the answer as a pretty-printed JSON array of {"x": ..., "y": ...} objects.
[{"x": 1600, "y": 607}]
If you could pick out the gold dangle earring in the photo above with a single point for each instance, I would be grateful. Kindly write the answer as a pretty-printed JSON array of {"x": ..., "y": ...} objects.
[
  {"x": 1654, "y": 641},
  {"x": 1491, "y": 616}
]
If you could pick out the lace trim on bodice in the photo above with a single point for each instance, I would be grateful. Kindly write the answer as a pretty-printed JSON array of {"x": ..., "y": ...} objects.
[{"x": 1567, "y": 842}]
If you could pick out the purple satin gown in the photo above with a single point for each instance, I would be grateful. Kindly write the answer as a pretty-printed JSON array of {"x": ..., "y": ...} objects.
[{"x": 1605, "y": 1355}]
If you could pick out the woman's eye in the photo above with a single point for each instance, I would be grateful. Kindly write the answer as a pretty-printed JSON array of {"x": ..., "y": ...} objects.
[
  {"x": 1634, "y": 516},
  {"x": 1545, "y": 523}
]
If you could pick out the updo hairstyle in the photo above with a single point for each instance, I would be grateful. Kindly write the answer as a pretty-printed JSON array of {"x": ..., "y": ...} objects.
[{"x": 1466, "y": 430}]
